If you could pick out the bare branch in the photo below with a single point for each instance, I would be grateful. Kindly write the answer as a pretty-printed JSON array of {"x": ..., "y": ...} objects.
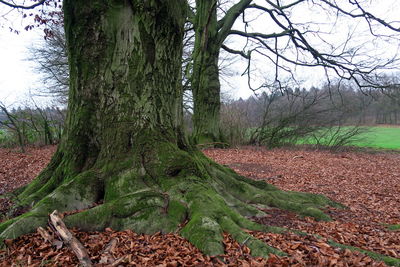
[
  {"x": 363, "y": 14},
  {"x": 41, "y": 2},
  {"x": 225, "y": 24},
  {"x": 232, "y": 51}
]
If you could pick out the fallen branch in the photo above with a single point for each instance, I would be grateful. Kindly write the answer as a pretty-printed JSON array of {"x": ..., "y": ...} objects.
[
  {"x": 49, "y": 238},
  {"x": 106, "y": 255},
  {"x": 70, "y": 240},
  {"x": 45, "y": 235}
]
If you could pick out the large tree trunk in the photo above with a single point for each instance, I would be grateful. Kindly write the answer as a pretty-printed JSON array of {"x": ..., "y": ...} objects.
[
  {"x": 123, "y": 148},
  {"x": 205, "y": 77}
]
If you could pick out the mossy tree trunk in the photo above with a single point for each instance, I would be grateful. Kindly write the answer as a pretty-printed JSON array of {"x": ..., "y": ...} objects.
[
  {"x": 210, "y": 34},
  {"x": 123, "y": 146},
  {"x": 205, "y": 75}
]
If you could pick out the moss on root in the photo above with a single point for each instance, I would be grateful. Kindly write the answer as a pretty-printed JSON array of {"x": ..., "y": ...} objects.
[
  {"x": 78, "y": 193},
  {"x": 376, "y": 256},
  {"x": 394, "y": 227},
  {"x": 161, "y": 190}
]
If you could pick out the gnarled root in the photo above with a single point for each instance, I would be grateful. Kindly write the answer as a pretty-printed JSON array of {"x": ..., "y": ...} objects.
[{"x": 184, "y": 192}]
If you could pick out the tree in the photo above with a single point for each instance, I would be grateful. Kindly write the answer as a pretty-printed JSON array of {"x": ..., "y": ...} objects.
[
  {"x": 13, "y": 124},
  {"x": 52, "y": 63},
  {"x": 210, "y": 35},
  {"x": 286, "y": 42},
  {"x": 123, "y": 160}
]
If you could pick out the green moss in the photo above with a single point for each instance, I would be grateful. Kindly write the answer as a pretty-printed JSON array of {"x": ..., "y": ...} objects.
[
  {"x": 238, "y": 205},
  {"x": 257, "y": 247},
  {"x": 123, "y": 184},
  {"x": 113, "y": 167},
  {"x": 94, "y": 219},
  {"x": 376, "y": 256},
  {"x": 258, "y": 192},
  {"x": 205, "y": 233},
  {"x": 4, "y": 225},
  {"x": 32, "y": 191},
  {"x": 76, "y": 194},
  {"x": 158, "y": 186},
  {"x": 394, "y": 227},
  {"x": 23, "y": 224},
  {"x": 144, "y": 212},
  {"x": 205, "y": 139},
  {"x": 176, "y": 211}
]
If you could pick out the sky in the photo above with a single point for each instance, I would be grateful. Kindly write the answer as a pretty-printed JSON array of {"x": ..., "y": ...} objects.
[
  {"x": 17, "y": 77},
  {"x": 16, "y": 73},
  {"x": 334, "y": 30}
]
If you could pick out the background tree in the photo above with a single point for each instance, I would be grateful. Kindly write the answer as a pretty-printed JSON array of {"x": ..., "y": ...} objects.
[
  {"x": 31, "y": 125},
  {"x": 278, "y": 117},
  {"x": 12, "y": 123},
  {"x": 288, "y": 40},
  {"x": 123, "y": 145},
  {"x": 51, "y": 61},
  {"x": 210, "y": 35}
]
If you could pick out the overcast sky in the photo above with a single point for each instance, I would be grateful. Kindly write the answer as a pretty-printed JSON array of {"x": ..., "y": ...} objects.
[{"x": 17, "y": 76}]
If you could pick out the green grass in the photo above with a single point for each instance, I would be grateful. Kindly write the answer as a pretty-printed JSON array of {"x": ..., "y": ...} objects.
[
  {"x": 380, "y": 137},
  {"x": 374, "y": 137}
]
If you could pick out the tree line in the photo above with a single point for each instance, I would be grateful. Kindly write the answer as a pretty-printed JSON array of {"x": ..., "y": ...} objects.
[
  {"x": 280, "y": 117},
  {"x": 272, "y": 118},
  {"x": 30, "y": 126}
]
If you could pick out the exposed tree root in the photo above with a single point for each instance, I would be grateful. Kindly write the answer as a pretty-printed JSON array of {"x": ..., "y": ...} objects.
[
  {"x": 394, "y": 227},
  {"x": 178, "y": 192},
  {"x": 376, "y": 256}
]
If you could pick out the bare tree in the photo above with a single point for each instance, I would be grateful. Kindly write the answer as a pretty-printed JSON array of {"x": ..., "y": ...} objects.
[
  {"x": 288, "y": 42},
  {"x": 51, "y": 61},
  {"x": 13, "y": 124}
]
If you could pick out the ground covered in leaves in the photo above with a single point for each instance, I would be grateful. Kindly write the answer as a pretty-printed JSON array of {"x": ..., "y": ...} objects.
[{"x": 368, "y": 184}]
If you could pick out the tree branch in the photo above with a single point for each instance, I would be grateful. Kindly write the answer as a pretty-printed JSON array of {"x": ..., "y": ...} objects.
[
  {"x": 226, "y": 23},
  {"x": 236, "y": 52},
  {"x": 41, "y": 2},
  {"x": 278, "y": 6},
  {"x": 364, "y": 14},
  {"x": 261, "y": 35}
]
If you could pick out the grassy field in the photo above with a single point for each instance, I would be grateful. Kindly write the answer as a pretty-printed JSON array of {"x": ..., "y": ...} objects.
[{"x": 379, "y": 137}]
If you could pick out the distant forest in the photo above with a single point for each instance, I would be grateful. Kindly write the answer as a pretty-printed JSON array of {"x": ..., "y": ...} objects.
[
  {"x": 272, "y": 118},
  {"x": 343, "y": 103}
]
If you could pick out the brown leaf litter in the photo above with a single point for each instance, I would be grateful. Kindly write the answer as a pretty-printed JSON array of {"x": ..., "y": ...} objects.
[{"x": 368, "y": 184}]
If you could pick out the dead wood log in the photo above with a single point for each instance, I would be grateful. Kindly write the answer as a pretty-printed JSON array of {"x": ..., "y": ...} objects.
[
  {"x": 70, "y": 240},
  {"x": 45, "y": 235},
  {"x": 49, "y": 238}
]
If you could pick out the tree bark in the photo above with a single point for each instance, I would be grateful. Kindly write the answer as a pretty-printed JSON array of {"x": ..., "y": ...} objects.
[
  {"x": 205, "y": 82},
  {"x": 209, "y": 37},
  {"x": 123, "y": 145}
]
